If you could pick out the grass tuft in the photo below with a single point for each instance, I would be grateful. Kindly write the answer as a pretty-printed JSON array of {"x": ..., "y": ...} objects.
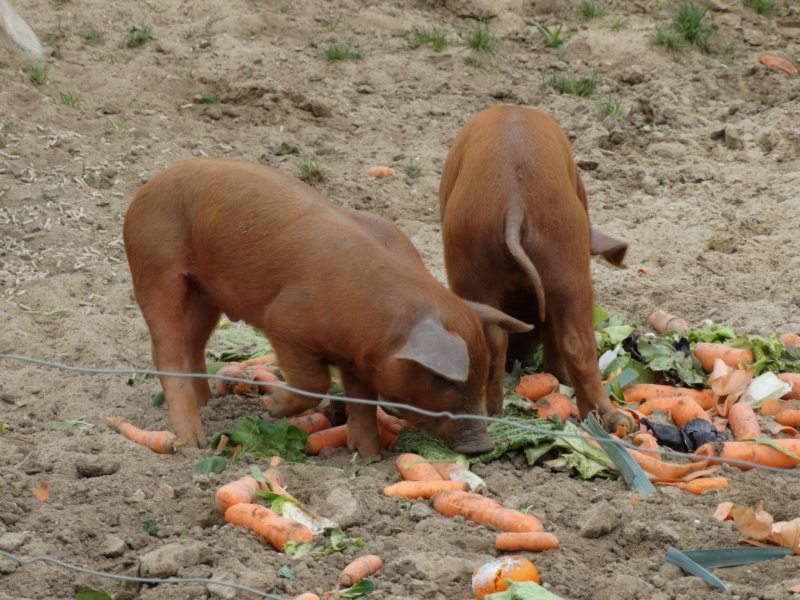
[
  {"x": 336, "y": 51},
  {"x": 688, "y": 26},
  {"x": 68, "y": 99},
  {"x": 413, "y": 167},
  {"x": 553, "y": 37},
  {"x": 206, "y": 98},
  {"x": 613, "y": 107},
  {"x": 91, "y": 35},
  {"x": 669, "y": 38},
  {"x": 585, "y": 85},
  {"x": 310, "y": 169},
  {"x": 37, "y": 74},
  {"x": 618, "y": 24},
  {"x": 433, "y": 37},
  {"x": 138, "y": 35},
  {"x": 480, "y": 38},
  {"x": 590, "y": 10},
  {"x": 762, "y": 7}
]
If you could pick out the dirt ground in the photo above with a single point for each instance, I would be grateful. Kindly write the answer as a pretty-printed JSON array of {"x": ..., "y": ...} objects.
[{"x": 702, "y": 178}]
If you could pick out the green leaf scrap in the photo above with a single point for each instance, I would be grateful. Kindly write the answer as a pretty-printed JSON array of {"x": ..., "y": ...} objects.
[
  {"x": 265, "y": 439},
  {"x": 214, "y": 464},
  {"x": 92, "y": 595},
  {"x": 523, "y": 590},
  {"x": 363, "y": 588}
]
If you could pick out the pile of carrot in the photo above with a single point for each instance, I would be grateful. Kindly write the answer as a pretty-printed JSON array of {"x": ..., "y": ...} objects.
[{"x": 336, "y": 437}]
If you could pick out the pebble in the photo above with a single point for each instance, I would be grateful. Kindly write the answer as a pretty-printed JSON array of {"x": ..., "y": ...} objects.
[
  {"x": 112, "y": 546},
  {"x": 598, "y": 521},
  {"x": 97, "y": 466},
  {"x": 166, "y": 560}
]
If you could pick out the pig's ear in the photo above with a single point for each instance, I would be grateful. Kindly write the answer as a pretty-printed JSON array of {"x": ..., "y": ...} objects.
[
  {"x": 492, "y": 316},
  {"x": 612, "y": 250},
  {"x": 435, "y": 348}
]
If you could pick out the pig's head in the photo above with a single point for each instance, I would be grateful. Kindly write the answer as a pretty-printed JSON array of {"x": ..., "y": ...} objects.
[{"x": 442, "y": 365}]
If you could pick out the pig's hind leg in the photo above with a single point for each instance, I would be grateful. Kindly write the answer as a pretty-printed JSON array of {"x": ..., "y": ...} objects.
[
  {"x": 362, "y": 419},
  {"x": 201, "y": 318},
  {"x": 302, "y": 371}
]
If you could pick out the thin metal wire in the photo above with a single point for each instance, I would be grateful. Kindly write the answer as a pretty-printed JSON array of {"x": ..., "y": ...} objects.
[
  {"x": 434, "y": 414},
  {"x": 149, "y": 580}
]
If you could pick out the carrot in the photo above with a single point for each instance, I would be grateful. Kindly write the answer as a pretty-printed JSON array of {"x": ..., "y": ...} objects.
[
  {"x": 311, "y": 423},
  {"x": 424, "y": 489},
  {"x": 415, "y": 468},
  {"x": 232, "y": 387},
  {"x": 647, "y": 391},
  {"x": 454, "y": 472},
  {"x": 662, "y": 469},
  {"x": 791, "y": 339},
  {"x": 335, "y": 437},
  {"x": 793, "y": 379},
  {"x": 359, "y": 569},
  {"x": 276, "y": 530},
  {"x": 752, "y": 452},
  {"x": 773, "y": 407},
  {"x": 241, "y": 491},
  {"x": 534, "y": 541},
  {"x": 553, "y": 404},
  {"x": 743, "y": 422},
  {"x": 162, "y": 442},
  {"x": 445, "y": 469},
  {"x": 735, "y": 358},
  {"x": 482, "y": 510},
  {"x": 647, "y": 441},
  {"x": 380, "y": 172},
  {"x": 687, "y": 409},
  {"x": 663, "y": 404},
  {"x": 662, "y": 321},
  {"x": 536, "y": 386},
  {"x": 698, "y": 486},
  {"x": 263, "y": 374},
  {"x": 388, "y": 439},
  {"x": 781, "y": 64},
  {"x": 261, "y": 360},
  {"x": 307, "y": 596},
  {"x": 390, "y": 422},
  {"x": 790, "y": 418}
]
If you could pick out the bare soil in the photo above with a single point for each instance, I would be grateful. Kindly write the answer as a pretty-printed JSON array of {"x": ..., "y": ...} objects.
[{"x": 702, "y": 178}]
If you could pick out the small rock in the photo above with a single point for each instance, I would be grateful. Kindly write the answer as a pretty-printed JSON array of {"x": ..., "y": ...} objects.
[
  {"x": 138, "y": 496},
  {"x": 230, "y": 111},
  {"x": 11, "y": 542},
  {"x": 213, "y": 111},
  {"x": 109, "y": 108},
  {"x": 420, "y": 511},
  {"x": 633, "y": 75},
  {"x": 222, "y": 591},
  {"x": 146, "y": 176},
  {"x": 96, "y": 466},
  {"x": 670, "y": 572},
  {"x": 665, "y": 534},
  {"x": 587, "y": 164},
  {"x": 482, "y": 10},
  {"x": 165, "y": 561},
  {"x": 320, "y": 109},
  {"x": 734, "y": 137},
  {"x": 112, "y": 546},
  {"x": 365, "y": 89},
  {"x": 165, "y": 492},
  {"x": 624, "y": 587},
  {"x": 8, "y": 566},
  {"x": 598, "y": 521},
  {"x": 342, "y": 507}
]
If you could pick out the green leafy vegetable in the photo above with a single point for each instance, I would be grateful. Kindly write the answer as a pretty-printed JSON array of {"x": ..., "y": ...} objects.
[
  {"x": 242, "y": 343},
  {"x": 766, "y": 350},
  {"x": 524, "y": 590},
  {"x": 339, "y": 541},
  {"x": 74, "y": 424},
  {"x": 292, "y": 550},
  {"x": 92, "y": 595},
  {"x": 149, "y": 526},
  {"x": 363, "y": 588},
  {"x": 285, "y": 572},
  {"x": 716, "y": 334},
  {"x": 265, "y": 439},
  {"x": 508, "y": 437},
  {"x": 428, "y": 447},
  {"x": 611, "y": 332},
  {"x": 600, "y": 315},
  {"x": 660, "y": 355},
  {"x": 159, "y": 400},
  {"x": 214, "y": 464}
]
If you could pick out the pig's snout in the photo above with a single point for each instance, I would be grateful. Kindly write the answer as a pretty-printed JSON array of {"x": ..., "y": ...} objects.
[{"x": 470, "y": 439}]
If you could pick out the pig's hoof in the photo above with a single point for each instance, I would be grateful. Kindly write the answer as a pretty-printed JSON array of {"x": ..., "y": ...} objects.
[
  {"x": 618, "y": 422},
  {"x": 191, "y": 437},
  {"x": 367, "y": 449}
]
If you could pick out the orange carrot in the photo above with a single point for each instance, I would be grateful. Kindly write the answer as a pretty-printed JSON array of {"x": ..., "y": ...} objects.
[
  {"x": 790, "y": 418},
  {"x": 380, "y": 172},
  {"x": 261, "y": 360},
  {"x": 388, "y": 439},
  {"x": 264, "y": 375},
  {"x": 424, "y": 489},
  {"x": 162, "y": 442},
  {"x": 647, "y": 441},
  {"x": 662, "y": 469},
  {"x": 444, "y": 469},
  {"x": 793, "y": 379},
  {"x": 687, "y": 409},
  {"x": 743, "y": 422},
  {"x": 232, "y": 369},
  {"x": 770, "y": 408},
  {"x": 647, "y": 391},
  {"x": 311, "y": 423},
  {"x": 307, "y": 596},
  {"x": 554, "y": 404},
  {"x": 661, "y": 322},
  {"x": 663, "y": 404},
  {"x": 390, "y": 422},
  {"x": 359, "y": 569},
  {"x": 481, "y": 510},
  {"x": 752, "y": 452},
  {"x": 335, "y": 437},
  {"x": 536, "y": 386},
  {"x": 275, "y": 529},
  {"x": 791, "y": 339},
  {"x": 535, "y": 541},
  {"x": 780, "y": 64},
  {"x": 241, "y": 491},
  {"x": 735, "y": 358},
  {"x": 415, "y": 468},
  {"x": 698, "y": 486}
]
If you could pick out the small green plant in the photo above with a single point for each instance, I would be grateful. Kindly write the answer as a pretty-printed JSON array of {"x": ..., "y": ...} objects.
[
  {"x": 590, "y": 10},
  {"x": 688, "y": 26},
  {"x": 138, "y": 35},
  {"x": 68, "y": 99},
  {"x": 403, "y": 504},
  {"x": 206, "y": 98},
  {"x": 552, "y": 38},
  {"x": 90, "y": 178},
  {"x": 762, "y": 7},
  {"x": 331, "y": 25},
  {"x": 434, "y": 37},
  {"x": 612, "y": 107},
  {"x": 37, "y": 74},
  {"x": 189, "y": 33},
  {"x": 46, "y": 196},
  {"x": 283, "y": 9},
  {"x": 585, "y": 85},
  {"x": 149, "y": 526},
  {"x": 91, "y": 35},
  {"x": 336, "y": 51},
  {"x": 618, "y": 24},
  {"x": 62, "y": 1},
  {"x": 310, "y": 169},
  {"x": 480, "y": 38},
  {"x": 413, "y": 167},
  {"x": 669, "y": 38}
]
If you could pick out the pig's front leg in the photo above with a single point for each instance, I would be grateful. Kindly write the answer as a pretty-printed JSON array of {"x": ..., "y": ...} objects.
[
  {"x": 362, "y": 420},
  {"x": 301, "y": 371},
  {"x": 497, "y": 340}
]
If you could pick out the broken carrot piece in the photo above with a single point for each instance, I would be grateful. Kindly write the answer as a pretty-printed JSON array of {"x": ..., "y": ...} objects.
[
  {"x": 780, "y": 64},
  {"x": 162, "y": 442}
]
